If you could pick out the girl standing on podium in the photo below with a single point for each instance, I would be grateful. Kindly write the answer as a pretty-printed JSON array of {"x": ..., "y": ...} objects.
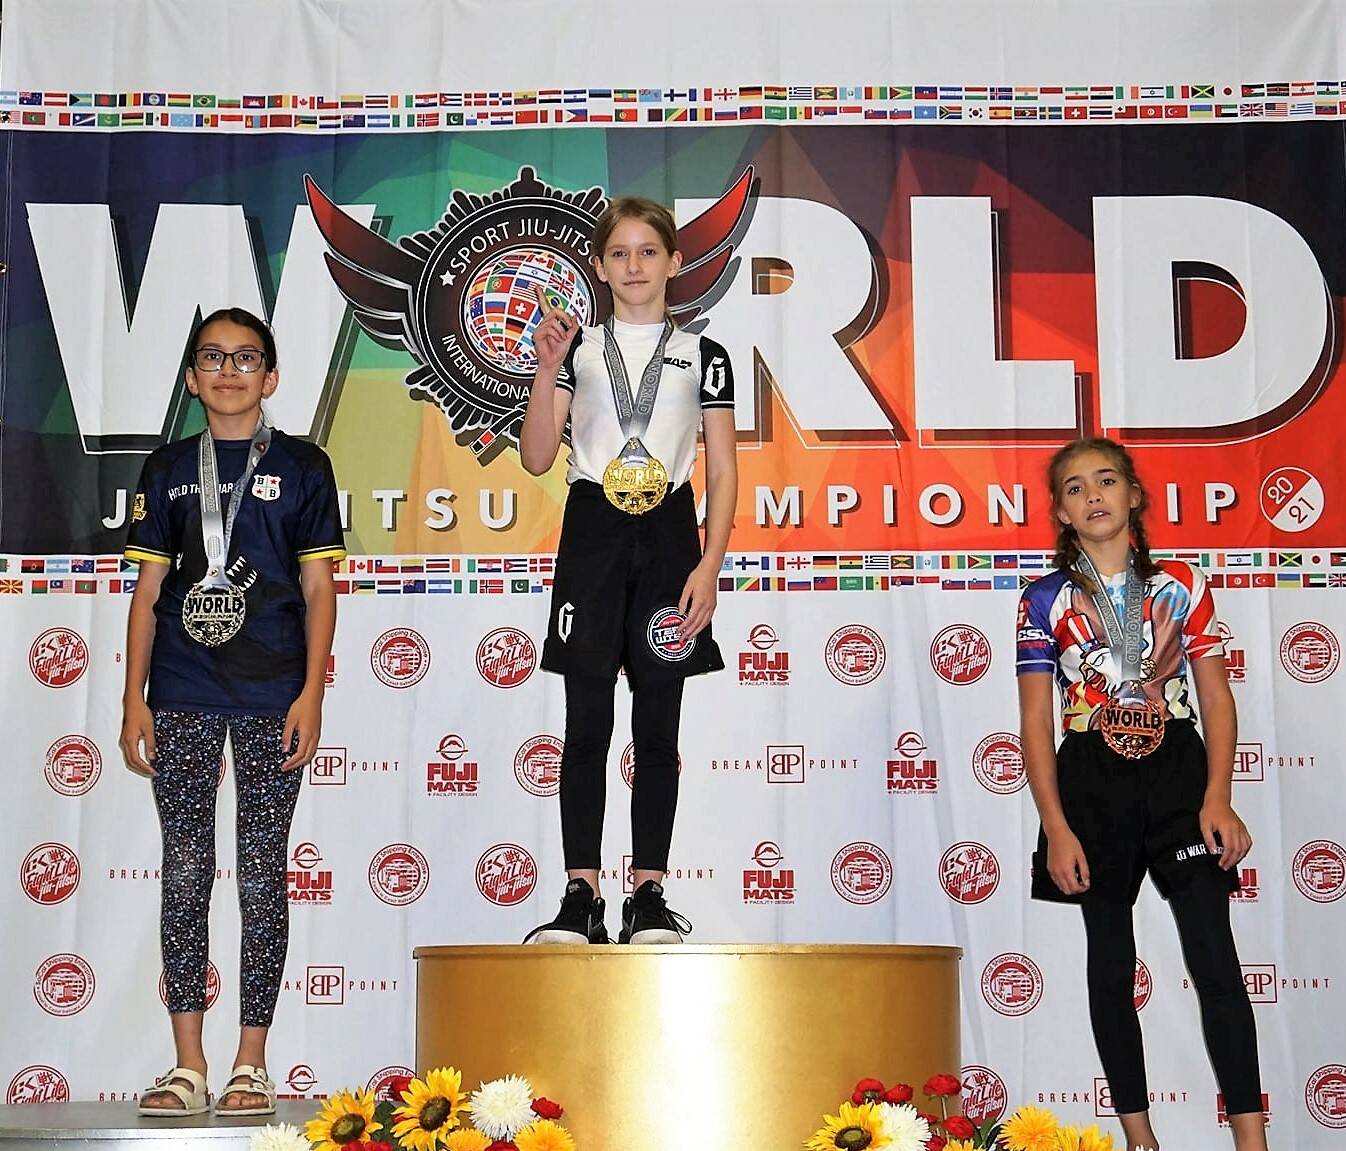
[
  {"x": 231, "y": 623},
  {"x": 633, "y": 587},
  {"x": 1134, "y": 788}
]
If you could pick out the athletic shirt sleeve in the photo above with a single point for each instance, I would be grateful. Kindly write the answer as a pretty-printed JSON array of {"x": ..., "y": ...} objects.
[
  {"x": 150, "y": 539},
  {"x": 1200, "y": 625},
  {"x": 717, "y": 376},
  {"x": 565, "y": 378},
  {"x": 1036, "y": 649},
  {"x": 318, "y": 531}
]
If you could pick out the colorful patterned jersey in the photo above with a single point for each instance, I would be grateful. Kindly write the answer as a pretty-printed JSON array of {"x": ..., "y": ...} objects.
[{"x": 1060, "y": 631}]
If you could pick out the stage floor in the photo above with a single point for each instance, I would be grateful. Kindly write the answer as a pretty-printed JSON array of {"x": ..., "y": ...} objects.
[{"x": 89, "y": 1126}]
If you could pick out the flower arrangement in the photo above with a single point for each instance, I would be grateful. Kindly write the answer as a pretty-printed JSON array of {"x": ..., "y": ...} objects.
[
  {"x": 429, "y": 1114},
  {"x": 878, "y": 1118}
]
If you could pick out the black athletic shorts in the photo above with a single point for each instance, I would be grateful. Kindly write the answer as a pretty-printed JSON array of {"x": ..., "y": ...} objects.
[
  {"x": 615, "y": 597},
  {"x": 1132, "y": 815}
]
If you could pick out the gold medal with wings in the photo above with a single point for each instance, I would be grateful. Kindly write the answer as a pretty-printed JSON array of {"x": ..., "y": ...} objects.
[{"x": 460, "y": 297}]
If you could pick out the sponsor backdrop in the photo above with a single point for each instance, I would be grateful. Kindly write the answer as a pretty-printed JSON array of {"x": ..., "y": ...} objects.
[{"x": 929, "y": 285}]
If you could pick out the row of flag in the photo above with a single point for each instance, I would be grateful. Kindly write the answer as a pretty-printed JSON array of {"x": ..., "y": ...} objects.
[
  {"x": 741, "y": 94},
  {"x": 740, "y": 572}
]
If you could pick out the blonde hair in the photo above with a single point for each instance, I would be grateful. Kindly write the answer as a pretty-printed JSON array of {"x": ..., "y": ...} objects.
[{"x": 650, "y": 212}]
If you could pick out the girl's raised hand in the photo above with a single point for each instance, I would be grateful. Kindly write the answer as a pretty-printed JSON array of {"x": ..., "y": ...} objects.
[{"x": 554, "y": 332}]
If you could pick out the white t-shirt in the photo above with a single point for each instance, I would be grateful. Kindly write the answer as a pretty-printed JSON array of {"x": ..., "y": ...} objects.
[{"x": 697, "y": 375}]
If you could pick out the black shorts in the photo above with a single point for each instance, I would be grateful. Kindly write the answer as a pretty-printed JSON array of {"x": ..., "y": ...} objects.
[
  {"x": 1132, "y": 815},
  {"x": 618, "y": 581}
]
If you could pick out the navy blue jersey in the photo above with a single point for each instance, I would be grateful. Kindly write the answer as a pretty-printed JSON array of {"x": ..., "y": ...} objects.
[{"x": 288, "y": 515}]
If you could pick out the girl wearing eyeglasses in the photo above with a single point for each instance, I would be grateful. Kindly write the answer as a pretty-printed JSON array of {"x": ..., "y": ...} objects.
[{"x": 231, "y": 625}]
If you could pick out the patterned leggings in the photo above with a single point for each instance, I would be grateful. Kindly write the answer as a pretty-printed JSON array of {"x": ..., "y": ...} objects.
[{"x": 189, "y": 746}]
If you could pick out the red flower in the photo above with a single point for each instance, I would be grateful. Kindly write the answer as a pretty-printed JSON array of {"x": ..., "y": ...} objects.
[
  {"x": 935, "y": 1143},
  {"x": 397, "y": 1085},
  {"x": 938, "y": 1085},
  {"x": 959, "y": 1127},
  {"x": 867, "y": 1091},
  {"x": 544, "y": 1108},
  {"x": 933, "y": 1120},
  {"x": 898, "y": 1093}
]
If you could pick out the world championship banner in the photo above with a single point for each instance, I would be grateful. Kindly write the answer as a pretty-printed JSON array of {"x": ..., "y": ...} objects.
[{"x": 924, "y": 290}]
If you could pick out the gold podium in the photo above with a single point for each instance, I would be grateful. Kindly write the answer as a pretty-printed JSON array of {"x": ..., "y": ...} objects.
[{"x": 673, "y": 1048}]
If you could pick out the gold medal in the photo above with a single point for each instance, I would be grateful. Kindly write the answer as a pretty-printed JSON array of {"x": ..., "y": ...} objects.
[
  {"x": 1132, "y": 724},
  {"x": 212, "y": 614},
  {"x": 635, "y": 481},
  {"x": 1148, "y": 669}
]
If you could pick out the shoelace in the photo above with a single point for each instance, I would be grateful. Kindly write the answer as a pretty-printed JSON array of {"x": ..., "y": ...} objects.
[{"x": 661, "y": 910}]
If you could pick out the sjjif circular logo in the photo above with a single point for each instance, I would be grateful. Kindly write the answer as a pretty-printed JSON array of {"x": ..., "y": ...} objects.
[
  {"x": 400, "y": 657},
  {"x": 506, "y": 657},
  {"x": 855, "y": 654},
  {"x": 64, "y": 984},
  {"x": 862, "y": 873},
  {"x": 662, "y": 634},
  {"x": 537, "y": 765},
  {"x": 506, "y": 874},
  {"x": 1310, "y": 652},
  {"x": 399, "y": 874},
  {"x": 74, "y": 764}
]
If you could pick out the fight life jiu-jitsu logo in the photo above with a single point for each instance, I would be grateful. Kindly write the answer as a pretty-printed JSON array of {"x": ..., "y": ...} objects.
[{"x": 461, "y": 296}]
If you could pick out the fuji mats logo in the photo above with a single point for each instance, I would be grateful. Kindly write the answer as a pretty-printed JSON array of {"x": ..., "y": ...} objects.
[
  {"x": 764, "y": 883},
  {"x": 453, "y": 773},
  {"x": 912, "y": 770},
  {"x": 305, "y": 882},
  {"x": 760, "y": 665}
]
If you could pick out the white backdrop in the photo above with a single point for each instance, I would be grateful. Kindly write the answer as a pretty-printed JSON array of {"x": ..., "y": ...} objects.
[{"x": 852, "y": 804}]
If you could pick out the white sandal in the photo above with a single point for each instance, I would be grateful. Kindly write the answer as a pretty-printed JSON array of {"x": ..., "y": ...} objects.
[
  {"x": 186, "y": 1086},
  {"x": 247, "y": 1080}
]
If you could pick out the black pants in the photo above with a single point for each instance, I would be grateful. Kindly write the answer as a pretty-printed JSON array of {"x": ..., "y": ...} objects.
[
  {"x": 655, "y": 710},
  {"x": 1201, "y": 909}
]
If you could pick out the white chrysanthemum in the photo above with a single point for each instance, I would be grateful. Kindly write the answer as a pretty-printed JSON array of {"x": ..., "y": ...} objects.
[
  {"x": 278, "y": 1137},
  {"x": 903, "y": 1127},
  {"x": 503, "y": 1107}
]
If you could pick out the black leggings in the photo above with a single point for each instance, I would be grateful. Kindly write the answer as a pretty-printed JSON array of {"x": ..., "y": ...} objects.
[
  {"x": 187, "y": 768},
  {"x": 1201, "y": 909},
  {"x": 655, "y": 711}
]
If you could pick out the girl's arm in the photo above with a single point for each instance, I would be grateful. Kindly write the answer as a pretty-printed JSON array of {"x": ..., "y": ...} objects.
[
  {"x": 697, "y": 602},
  {"x": 1037, "y": 732},
  {"x": 137, "y": 738},
  {"x": 1219, "y": 722},
  {"x": 544, "y": 420},
  {"x": 305, "y": 715}
]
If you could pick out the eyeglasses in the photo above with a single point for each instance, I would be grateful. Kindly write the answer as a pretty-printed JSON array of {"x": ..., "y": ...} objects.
[{"x": 245, "y": 360}]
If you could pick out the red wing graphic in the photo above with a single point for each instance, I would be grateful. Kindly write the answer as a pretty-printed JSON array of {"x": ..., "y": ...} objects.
[
  {"x": 374, "y": 276},
  {"x": 707, "y": 247}
]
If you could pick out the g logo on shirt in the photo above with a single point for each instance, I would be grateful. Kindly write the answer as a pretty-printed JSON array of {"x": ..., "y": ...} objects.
[{"x": 714, "y": 376}]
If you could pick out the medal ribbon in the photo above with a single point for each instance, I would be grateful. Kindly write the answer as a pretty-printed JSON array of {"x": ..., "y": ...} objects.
[
  {"x": 633, "y": 415},
  {"x": 1126, "y": 634},
  {"x": 217, "y": 526}
]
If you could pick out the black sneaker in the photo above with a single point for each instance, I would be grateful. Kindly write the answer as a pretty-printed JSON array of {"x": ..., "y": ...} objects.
[
  {"x": 580, "y": 919},
  {"x": 646, "y": 918}
]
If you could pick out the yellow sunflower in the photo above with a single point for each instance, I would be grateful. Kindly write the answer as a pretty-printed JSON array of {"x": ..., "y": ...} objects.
[
  {"x": 434, "y": 1106},
  {"x": 1092, "y": 1139},
  {"x": 854, "y": 1128},
  {"x": 960, "y": 1145},
  {"x": 466, "y": 1139},
  {"x": 346, "y": 1117},
  {"x": 544, "y": 1135},
  {"x": 1030, "y": 1129}
]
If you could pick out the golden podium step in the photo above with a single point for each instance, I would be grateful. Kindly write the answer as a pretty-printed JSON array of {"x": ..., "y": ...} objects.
[{"x": 705, "y": 1047}]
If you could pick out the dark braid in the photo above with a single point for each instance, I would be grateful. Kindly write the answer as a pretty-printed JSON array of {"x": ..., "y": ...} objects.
[{"x": 1067, "y": 541}]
